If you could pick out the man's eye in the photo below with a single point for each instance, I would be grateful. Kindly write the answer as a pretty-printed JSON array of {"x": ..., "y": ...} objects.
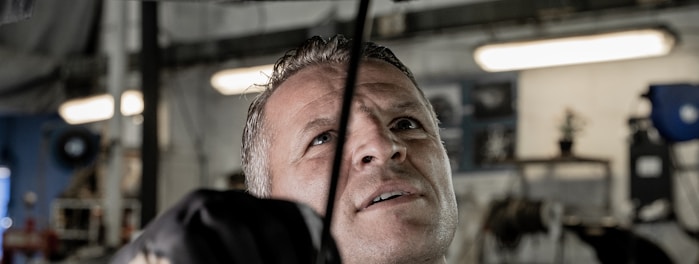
[
  {"x": 406, "y": 124},
  {"x": 322, "y": 139}
]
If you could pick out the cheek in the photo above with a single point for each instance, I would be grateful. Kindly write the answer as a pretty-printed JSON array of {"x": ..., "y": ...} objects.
[
  {"x": 431, "y": 159},
  {"x": 307, "y": 184}
]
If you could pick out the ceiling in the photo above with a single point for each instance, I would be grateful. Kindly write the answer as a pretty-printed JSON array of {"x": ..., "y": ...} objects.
[{"x": 53, "y": 54}]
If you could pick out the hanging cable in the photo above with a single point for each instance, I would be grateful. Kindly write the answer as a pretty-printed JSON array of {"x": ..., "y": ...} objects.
[{"x": 352, "y": 69}]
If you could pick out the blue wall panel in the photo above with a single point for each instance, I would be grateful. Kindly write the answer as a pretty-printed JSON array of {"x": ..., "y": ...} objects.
[{"x": 26, "y": 144}]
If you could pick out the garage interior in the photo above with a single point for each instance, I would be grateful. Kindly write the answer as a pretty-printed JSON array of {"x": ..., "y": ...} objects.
[{"x": 625, "y": 189}]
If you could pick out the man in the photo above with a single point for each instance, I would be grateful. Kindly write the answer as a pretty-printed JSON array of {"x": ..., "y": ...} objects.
[{"x": 395, "y": 201}]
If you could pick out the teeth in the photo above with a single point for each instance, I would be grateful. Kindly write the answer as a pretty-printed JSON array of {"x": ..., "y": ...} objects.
[{"x": 385, "y": 196}]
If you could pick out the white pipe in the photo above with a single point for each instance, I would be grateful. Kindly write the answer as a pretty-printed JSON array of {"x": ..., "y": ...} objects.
[{"x": 115, "y": 36}]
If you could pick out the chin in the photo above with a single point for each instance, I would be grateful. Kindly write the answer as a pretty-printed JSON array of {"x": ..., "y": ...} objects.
[
  {"x": 394, "y": 256},
  {"x": 398, "y": 246}
]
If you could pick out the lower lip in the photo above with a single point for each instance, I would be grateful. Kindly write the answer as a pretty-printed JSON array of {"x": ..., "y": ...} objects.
[{"x": 393, "y": 202}]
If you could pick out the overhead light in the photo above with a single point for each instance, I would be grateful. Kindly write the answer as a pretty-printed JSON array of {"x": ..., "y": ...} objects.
[
  {"x": 621, "y": 45},
  {"x": 131, "y": 103},
  {"x": 242, "y": 80},
  {"x": 100, "y": 107}
]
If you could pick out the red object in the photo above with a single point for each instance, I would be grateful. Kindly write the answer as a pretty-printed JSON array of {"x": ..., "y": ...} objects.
[{"x": 28, "y": 241}]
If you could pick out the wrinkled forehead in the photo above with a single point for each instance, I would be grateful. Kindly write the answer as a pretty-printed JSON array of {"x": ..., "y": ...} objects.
[
  {"x": 325, "y": 83},
  {"x": 334, "y": 75}
]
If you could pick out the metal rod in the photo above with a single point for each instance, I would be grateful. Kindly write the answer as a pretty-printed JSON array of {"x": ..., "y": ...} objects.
[
  {"x": 150, "y": 85},
  {"x": 352, "y": 69}
]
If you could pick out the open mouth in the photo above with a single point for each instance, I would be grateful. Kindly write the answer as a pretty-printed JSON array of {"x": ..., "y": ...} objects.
[{"x": 387, "y": 196}]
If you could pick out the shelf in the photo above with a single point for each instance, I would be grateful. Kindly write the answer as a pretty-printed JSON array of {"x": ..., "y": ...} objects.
[{"x": 553, "y": 163}]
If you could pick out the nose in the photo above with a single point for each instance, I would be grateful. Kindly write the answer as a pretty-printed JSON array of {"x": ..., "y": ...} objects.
[{"x": 375, "y": 145}]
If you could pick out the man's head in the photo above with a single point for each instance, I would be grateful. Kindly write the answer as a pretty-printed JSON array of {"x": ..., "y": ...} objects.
[
  {"x": 315, "y": 51},
  {"x": 395, "y": 202}
]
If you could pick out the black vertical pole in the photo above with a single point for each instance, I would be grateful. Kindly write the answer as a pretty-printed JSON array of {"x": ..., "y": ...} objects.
[{"x": 150, "y": 86}]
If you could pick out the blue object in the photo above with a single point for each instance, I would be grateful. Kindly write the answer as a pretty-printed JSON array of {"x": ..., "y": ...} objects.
[
  {"x": 675, "y": 111},
  {"x": 4, "y": 198}
]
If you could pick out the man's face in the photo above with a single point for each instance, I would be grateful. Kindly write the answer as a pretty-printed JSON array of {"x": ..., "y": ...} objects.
[{"x": 395, "y": 201}]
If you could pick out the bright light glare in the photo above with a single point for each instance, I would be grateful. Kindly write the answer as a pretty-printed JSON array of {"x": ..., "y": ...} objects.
[
  {"x": 131, "y": 103},
  {"x": 4, "y": 172},
  {"x": 242, "y": 80},
  {"x": 574, "y": 50},
  {"x": 100, "y": 107}
]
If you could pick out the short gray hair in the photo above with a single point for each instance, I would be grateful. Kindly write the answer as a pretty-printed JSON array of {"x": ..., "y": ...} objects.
[{"x": 315, "y": 51}]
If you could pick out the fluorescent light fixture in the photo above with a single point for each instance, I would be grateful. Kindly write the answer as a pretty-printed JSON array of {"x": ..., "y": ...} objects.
[
  {"x": 100, "y": 107},
  {"x": 632, "y": 44},
  {"x": 242, "y": 80}
]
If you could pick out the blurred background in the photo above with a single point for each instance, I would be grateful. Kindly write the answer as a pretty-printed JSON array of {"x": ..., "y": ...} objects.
[{"x": 583, "y": 150}]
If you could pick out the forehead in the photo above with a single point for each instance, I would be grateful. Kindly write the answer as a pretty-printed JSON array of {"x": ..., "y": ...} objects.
[{"x": 326, "y": 83}]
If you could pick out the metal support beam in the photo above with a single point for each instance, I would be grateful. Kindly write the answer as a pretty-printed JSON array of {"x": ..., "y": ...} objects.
[{"x": 112, "y": 200}]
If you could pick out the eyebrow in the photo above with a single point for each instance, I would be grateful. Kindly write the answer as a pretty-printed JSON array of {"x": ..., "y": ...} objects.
[
  {"x": 316, "y": 123},
  {"x": 408, "y": 104},
  {"x": 332, "y": 122},
  {"x": 403, "y": 106}
]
